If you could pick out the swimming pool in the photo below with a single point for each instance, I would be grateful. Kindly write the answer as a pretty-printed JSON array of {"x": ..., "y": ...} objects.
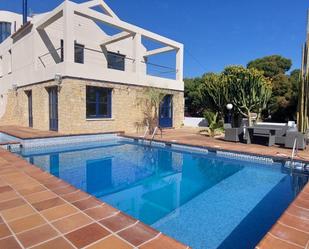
[{"x": 201, "y": 199}]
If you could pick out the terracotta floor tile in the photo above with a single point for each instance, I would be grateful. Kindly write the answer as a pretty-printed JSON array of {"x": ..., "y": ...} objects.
[
  {"x": 5, "y": 189},
  {"x": 19, "y": 186},
  {"x": 72, "y": 222},
  {"x": 4, "y": 231},
  {"x": 31, "y": 190},
  {"x": 7, "y": 170},
  {"x": 15, "y": 213},
  {"x": 299, "y": 212},
  {"x": 118, "y": 222},
  {"x": 101, "y": 212},
  {"x": 8, "y": 196},
  {"x": 17, "y": 178},
  {"x": 58, "y": 243},
  {"x": 40, "y": 196},
  {"x": 36, "y": 235},
  {"x": 87, "y": 235},
  {"x": 302, "y": 203},
  {"x": 270, "y": 242},
  {"x": 9, "y": 243},
  {"x": 59, "y": 212},
  {"x": 289, "y": 234},
  {"x": 56, "y": 184},
  {"x": 304, "y": 195},
  {"x": 26, "y": 223},
  {"x": 163, "y": 242},
  {"x": 111, "y": 242},
  {"x": 48, "y": 180},
  {"x": 138, "y": 234},
  {"x": 295, "y": 222},
  {"x": 42, "y": 176},
  {"x": 50, "y": 203},
  {"x": 87, "y": 203},
  {"x": 11, "y": 204},
  {"x": 65, "y": 190},
  {"x": 76, "y": 196}
]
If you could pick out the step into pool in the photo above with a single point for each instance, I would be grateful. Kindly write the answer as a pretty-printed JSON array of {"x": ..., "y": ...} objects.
[{"x": 204, "y": 200}]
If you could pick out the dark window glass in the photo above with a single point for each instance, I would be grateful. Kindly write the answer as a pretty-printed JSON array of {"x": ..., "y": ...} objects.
[
  {"x": 61, "y": 50},
  {"x": 5, "y": 30},
  {"x": 98, "y": 102},
  {"x": 79, "y": 53},
  {"x": 116, "y": 61}
]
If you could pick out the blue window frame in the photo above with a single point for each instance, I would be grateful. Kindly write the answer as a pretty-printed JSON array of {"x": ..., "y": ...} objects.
[{"x": 98, "y": 102}]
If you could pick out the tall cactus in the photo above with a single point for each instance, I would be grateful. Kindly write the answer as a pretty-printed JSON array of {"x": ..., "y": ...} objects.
[
  {"x": 249, "y": 90},
  {"x": 303, "y": 98}
]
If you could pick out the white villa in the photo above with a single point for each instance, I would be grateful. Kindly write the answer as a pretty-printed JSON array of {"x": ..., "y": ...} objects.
[{"x": 61, "y": 71}]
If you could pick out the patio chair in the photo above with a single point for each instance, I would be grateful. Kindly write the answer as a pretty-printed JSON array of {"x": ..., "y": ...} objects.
[
  {"x": 234, "y": 134},
  {"x": 290, "y": 139}
]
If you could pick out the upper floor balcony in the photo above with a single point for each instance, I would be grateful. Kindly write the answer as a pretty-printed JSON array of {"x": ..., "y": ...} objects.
[{"x": 72, "y": 40}]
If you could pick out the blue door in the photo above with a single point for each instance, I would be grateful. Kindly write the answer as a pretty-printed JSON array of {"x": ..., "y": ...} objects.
[
  {"x": 166, "y": 112},
  {"x": 53, "y": 108}
]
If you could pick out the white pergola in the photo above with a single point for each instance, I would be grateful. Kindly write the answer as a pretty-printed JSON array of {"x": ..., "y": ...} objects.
[{"x": 68, "y": 9}]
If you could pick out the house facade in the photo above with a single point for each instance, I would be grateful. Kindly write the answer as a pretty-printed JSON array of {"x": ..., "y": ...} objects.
[{"x": 62, "y": 71}]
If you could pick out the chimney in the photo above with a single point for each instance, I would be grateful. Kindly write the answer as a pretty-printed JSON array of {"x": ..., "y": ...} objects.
[{"x": 25, "y": 11}]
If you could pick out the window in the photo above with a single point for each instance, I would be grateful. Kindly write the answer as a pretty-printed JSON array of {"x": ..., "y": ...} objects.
[
  {"x": 61, "y": 50},
  {"x": 116, "y": 61},
  {"x": 5, "y": 30},
  {"x": 98, "y": 102},
  {"x": 79, "y": 53}
]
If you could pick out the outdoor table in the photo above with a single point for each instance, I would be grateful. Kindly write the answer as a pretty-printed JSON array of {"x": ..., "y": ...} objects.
[{"x": 261, "y": 132}]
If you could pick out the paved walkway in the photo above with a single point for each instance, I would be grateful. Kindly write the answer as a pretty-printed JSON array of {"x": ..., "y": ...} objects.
[
  {"x": 191, "y": 136},
  {"x": 28, "y": 133},
  {"x": 25, "y": 132}
]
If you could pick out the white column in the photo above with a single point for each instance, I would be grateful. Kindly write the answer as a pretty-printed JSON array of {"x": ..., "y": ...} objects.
[
  {"x": 137, "y": 53},
  {"x": 68, "y": 32},
  {"x": 179, "y": 63}
]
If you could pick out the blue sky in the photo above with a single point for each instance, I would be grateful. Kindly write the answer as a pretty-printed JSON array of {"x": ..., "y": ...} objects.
[{"x": 216, "y": 33}]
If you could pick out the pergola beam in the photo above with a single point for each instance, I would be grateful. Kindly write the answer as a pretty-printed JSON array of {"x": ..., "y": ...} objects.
[
  {"x": 51, "y": 17},
  {"x": 102, "y": 5},
  {"x": 97, "y": 16},
  {"x": 159, "y": 51},
  {"x": 118, "y": 37}
]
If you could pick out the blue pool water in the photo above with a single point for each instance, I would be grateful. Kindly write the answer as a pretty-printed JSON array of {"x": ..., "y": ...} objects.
[{"x": 202, "y": 200}]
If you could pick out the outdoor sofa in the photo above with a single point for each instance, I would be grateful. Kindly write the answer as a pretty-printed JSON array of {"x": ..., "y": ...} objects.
[{"x": 281, "y": 133}]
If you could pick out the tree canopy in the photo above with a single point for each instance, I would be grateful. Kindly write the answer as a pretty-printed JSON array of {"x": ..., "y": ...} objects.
[
  {"x": 271, "y": 65},
  {"x": 213, "y": 91},
  {"x": 283, "y": 103}
]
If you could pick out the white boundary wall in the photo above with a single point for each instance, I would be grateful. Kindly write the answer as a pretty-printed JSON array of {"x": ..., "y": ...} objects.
[{"x": 195, "y": 122}]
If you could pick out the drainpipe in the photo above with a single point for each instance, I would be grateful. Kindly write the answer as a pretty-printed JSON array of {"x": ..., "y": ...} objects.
[{"x": 25, "y": 11}]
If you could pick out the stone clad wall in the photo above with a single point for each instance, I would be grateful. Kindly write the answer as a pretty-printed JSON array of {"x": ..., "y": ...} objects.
[{"x": 127, "y": 115}]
